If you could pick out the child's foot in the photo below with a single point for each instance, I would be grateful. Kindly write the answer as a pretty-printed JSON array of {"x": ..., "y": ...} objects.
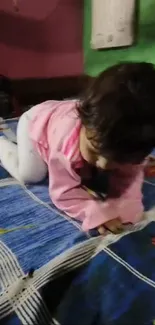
[{"x": 9, "y": 157}]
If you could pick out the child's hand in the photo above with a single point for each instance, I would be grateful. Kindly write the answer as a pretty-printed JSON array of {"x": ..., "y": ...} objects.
[{"x": 114, "y": 225}]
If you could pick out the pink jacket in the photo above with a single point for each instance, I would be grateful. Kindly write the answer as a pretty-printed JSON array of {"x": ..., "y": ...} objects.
[{"x": 55, "y": 132}]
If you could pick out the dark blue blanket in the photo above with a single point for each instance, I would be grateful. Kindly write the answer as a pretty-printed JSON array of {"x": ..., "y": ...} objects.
[{"x": 53, "y": 273}]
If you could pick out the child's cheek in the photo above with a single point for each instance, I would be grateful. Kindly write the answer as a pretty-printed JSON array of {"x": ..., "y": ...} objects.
[{"x": 88, "y": 157}]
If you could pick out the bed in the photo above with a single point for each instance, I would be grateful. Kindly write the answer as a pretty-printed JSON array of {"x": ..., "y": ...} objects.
[{"x": 51, "y": 272}]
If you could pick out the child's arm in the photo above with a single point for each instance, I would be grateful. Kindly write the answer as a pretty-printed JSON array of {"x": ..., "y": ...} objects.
[
  {"x": 68, "y": 195},
  {"x": 125, "y": 194},
  {"x": 126, "y": 190}
]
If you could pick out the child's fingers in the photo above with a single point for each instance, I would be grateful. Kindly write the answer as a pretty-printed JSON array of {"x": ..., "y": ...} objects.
[
  {"x": 115, "y": 226},
  {"x": 115, "y": 230},
  {"x": 101, "y": 230}
]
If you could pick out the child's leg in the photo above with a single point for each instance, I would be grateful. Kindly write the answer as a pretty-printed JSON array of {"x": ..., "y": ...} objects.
[{"x": 22, "y": 161}]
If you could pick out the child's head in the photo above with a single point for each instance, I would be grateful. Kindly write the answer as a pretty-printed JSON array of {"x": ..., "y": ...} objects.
[{"x": 118, "y": 115}]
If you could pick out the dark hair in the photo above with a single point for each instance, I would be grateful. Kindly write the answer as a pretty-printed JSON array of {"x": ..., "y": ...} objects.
[{"x": 119, "y": 110}]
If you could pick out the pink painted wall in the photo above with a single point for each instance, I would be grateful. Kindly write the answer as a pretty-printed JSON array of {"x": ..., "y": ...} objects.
[{"x": 44, "y": 39}]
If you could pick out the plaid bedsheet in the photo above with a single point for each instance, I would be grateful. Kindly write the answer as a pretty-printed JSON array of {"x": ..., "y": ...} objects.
[{"x": 53, "y": 273}]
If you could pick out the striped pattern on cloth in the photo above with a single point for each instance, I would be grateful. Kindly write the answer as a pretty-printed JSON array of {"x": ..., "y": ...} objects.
[{"x": 51, "y": 272}]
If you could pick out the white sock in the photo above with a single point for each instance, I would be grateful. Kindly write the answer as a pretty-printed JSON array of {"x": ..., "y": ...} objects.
[{"x": 9, "y": 157}]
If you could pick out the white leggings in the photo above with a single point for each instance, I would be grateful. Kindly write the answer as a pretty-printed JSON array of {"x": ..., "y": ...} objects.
[{"x": 21, "y": 160}]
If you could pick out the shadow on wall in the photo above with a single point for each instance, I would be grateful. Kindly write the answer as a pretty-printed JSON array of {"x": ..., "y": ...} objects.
[{"x": 57, "y": 32}]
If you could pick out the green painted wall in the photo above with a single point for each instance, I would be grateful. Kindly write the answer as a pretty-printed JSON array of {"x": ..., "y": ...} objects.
[{"x": 144, "y": 50}]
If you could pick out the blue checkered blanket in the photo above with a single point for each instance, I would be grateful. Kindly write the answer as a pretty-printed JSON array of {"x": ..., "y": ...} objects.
[{"x": 53, "y": 273}]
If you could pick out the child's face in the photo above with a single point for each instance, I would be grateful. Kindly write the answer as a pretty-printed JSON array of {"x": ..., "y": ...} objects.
[{"x": 89, "y": 153}]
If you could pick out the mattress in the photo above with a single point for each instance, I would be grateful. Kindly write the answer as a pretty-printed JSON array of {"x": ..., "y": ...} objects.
[{"x": 51, "y": 272}]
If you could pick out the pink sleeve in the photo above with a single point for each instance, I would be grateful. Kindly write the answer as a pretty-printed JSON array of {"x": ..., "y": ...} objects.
[
  {"x": 67, "y": 195},
  {"x": 126, "y": 193}
]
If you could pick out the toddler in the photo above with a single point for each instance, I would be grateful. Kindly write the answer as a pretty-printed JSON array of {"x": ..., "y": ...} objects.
[{"x": 111, "y": 128}]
